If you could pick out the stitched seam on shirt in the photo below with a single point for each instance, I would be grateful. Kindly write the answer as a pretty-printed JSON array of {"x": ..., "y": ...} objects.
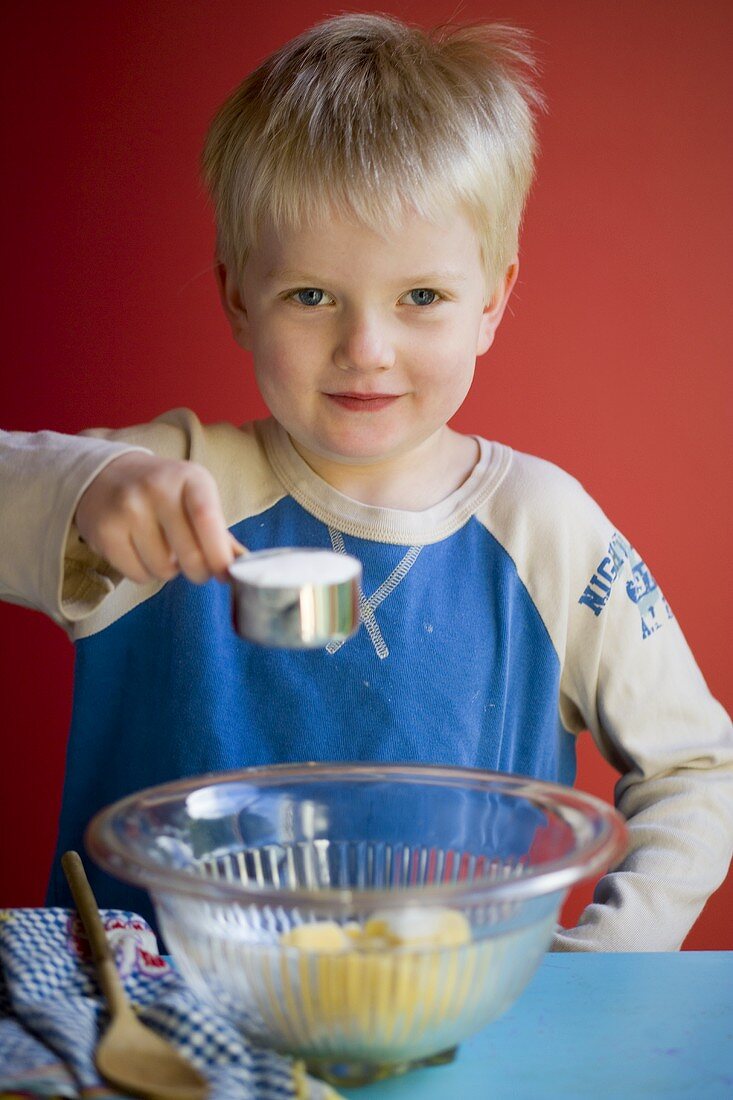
[
  {"x": 372, "y": 628},
  {"x": 367, "y": 605},
  {"x": 397, "y": 574}
]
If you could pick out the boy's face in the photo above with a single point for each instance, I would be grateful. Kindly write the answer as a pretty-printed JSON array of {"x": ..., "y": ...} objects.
[{"x": 364, "y": 345}]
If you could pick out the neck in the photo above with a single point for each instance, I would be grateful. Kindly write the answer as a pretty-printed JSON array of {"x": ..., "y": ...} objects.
[{"x": 414, "y": 481}]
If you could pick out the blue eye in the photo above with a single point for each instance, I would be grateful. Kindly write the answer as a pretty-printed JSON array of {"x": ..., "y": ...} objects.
[
  {"x": 422, "y": 296},
  {"x": 309, "y": 296}
]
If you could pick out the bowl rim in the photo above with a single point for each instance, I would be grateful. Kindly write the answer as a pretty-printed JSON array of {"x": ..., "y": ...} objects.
[{"x": 602, "y": 851}]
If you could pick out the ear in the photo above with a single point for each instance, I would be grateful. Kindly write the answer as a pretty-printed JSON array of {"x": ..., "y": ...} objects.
[
  {"x": 232, "y": 300},
  {"x": 494, "y": 308}
]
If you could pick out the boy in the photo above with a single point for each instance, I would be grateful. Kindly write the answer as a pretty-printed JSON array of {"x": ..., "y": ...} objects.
[{"x": 369, "y": 182}]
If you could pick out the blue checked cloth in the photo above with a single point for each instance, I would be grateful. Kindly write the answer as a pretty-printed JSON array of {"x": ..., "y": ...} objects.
[{"x": 52, "y": 1015}]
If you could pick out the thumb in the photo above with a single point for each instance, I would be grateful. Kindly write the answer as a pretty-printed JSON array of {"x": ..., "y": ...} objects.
[{"x": 237, "y": 551}]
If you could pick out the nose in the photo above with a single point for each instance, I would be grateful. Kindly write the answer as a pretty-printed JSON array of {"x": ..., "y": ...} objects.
[{"x": 364, "y": 343}]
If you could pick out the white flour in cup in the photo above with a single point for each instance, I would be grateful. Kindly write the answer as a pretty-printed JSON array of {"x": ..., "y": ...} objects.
[{"x": 295, "y": 568}]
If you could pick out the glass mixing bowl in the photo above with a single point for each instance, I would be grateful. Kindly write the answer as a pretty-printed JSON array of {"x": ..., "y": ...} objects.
[{"x": 364, "y": 917}]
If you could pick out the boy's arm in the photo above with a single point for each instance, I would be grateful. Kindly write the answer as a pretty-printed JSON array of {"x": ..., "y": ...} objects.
[
  {"x": 628, "y": 676},
  {"x": 43, "y": 563},
  {"x": 632, "y": 680}
]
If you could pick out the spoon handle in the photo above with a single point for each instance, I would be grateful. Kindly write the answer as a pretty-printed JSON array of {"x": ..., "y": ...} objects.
[{"x": 104, "y": 962}]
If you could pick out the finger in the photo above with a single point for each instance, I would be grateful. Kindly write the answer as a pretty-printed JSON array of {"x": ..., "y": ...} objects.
[
  {"x": 132, "y": 566},
  {"x": 184, "y": 546},
  {"x": 117, "y": 548},
  {"x": 237, "y": 551},
  {"x": 203, "y": 508},
  {"x": 154, "y": 550}
]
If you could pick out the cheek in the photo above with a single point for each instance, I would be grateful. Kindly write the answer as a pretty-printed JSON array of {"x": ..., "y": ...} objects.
[
  {"x": 287, "y": 346},
  {"x": 274, "y": 373},
  {"x": 276, "y": 359},
  {"x": 449, "y": 358}
]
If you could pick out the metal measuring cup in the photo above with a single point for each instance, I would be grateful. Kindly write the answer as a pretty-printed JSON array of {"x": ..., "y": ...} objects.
[{"x": 295, "y": 597}]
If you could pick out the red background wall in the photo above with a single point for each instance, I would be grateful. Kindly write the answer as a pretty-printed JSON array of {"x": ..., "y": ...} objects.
[{"x": 612, "y": 361}]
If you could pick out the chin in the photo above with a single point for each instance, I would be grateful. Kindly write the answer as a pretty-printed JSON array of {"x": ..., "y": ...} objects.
[{"x": 352, "y": 447}]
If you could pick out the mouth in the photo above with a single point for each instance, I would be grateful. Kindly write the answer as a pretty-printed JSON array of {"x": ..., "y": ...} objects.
[{"x": 363, "y": 402}]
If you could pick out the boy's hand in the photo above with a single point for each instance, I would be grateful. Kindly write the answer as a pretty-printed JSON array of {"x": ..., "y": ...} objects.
[{"x": 152, "y": 518}]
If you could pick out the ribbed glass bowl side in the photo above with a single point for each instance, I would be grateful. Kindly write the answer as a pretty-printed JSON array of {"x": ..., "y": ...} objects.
[
  {"x": 385, "y": 1006},
  {"x": 237, "y": 861}
]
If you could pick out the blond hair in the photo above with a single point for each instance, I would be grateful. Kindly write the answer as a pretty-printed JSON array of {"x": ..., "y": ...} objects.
[{"x": 364, "y": 117}]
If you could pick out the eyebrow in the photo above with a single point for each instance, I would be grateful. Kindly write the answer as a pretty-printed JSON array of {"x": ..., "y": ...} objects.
[
  {"x": 425, "y": 279},
  {"x": 284, "y": 276}
]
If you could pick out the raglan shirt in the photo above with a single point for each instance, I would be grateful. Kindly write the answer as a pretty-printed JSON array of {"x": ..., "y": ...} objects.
[{"x": 497, "y": 625}]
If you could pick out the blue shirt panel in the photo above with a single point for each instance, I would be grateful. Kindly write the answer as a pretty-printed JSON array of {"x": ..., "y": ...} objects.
[{"x": 169, "y": 690}]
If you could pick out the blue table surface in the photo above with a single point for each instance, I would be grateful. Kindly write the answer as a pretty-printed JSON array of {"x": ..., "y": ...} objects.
[{"x": 594, "y": 1026}]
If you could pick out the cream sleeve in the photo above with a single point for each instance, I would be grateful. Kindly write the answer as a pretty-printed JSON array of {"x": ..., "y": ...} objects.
[
  {"x": 43, "y": 562},
  {"x": 628, "y": 676},
  {"x": 631, "y": 677}
]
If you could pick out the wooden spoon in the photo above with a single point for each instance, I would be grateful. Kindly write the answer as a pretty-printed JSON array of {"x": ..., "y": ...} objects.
[{"x": 129, "y": 1055}]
